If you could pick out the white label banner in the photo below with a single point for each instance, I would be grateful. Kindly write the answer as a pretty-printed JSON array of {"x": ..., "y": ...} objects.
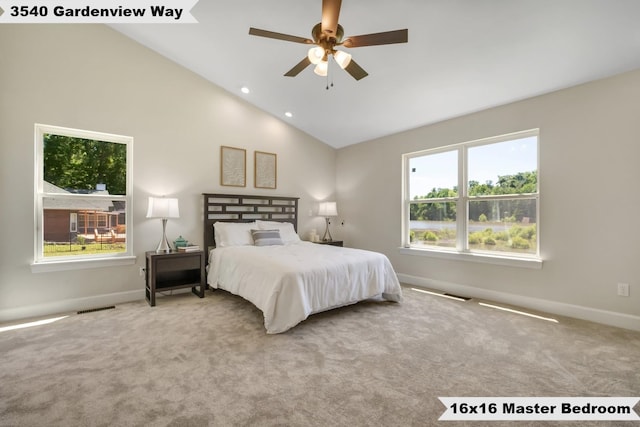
[
  {"x": 539, "y": 408},
  {"x": 97, "y": 11}
]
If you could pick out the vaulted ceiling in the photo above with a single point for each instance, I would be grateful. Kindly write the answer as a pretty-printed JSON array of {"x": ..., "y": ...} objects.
[{"x": 462, "y": 56}]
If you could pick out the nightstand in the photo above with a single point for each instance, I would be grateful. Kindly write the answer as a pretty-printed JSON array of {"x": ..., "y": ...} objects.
[
  {"x": 331, "y": 242},
  {"x": 174, "y": 270}
]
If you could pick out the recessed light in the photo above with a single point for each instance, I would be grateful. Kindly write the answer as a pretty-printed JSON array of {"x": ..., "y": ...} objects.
[
  {"x": 288, "y": 114},
  {"x": 245, "y": 89}
]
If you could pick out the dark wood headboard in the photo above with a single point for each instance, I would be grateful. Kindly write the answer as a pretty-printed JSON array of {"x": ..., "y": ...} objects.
[{"x": 246, "y": 208}]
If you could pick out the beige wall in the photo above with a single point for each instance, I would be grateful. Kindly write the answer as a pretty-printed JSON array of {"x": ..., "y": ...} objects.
[
  {"x": 589, "y": 177},
  {"x": 91, "y": 77}
]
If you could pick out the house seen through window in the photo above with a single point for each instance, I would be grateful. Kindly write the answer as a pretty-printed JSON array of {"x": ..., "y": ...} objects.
[
  {"x": 480, "y": 196},
  {"x": 83, "y": 194}
]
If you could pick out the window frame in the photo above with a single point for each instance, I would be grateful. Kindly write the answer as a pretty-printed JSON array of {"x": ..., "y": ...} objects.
[
  {"x": 462, "y": 200},
  {"x": 73, "y": 222},
  {"x": 46, "y": 264}
]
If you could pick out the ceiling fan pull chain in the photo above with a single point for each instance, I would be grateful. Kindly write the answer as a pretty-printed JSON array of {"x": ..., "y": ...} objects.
[
  {"x": 330, "y": 59},
  {"x": 328, "y": 71}
]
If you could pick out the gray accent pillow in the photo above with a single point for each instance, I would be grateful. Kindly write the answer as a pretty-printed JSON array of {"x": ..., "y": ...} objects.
[{"x": 266, "y": 237}]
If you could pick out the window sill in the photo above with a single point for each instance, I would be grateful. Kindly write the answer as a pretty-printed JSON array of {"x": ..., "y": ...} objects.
[
  {"x": 521, "y": 262},
  {"x": 64, "y": 265}
]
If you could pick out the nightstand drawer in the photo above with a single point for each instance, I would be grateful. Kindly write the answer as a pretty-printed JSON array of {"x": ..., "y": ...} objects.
[
  {"x": 174, "y": 270},
  {"x": 178, "y": 262}
]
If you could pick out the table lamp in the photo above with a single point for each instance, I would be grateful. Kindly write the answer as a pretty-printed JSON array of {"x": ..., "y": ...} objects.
[
  {"x": 327, "y": 209},
  {"x": 163, "y": 208}
]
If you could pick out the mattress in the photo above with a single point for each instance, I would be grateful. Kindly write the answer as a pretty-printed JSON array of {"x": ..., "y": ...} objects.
[{"x": 290, "y": 282}]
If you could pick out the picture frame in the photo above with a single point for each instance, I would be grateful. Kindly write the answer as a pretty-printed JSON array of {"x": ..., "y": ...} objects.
[
  {"x": 233, "y": 166},
  {"x": 265, "y": 170}
]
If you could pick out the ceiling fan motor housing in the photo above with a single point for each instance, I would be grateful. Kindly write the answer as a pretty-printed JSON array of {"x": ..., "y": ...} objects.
[{"x": 327, "y": 41}]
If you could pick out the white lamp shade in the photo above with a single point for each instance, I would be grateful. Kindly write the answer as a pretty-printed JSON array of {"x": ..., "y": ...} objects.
[
  {"x": 163, "y": 207},
  {"x": 327, "y": 209},
  {"x": 342, "y": 58},
  {"x": 315, "y": 55},
  {"x": 321, "y": 68}
]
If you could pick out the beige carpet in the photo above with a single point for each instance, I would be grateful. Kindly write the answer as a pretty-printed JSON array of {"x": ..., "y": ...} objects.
[{"x": 208, "y": 362}]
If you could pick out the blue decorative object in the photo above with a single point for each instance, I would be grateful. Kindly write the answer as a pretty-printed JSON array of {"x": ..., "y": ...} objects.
[{"x": 180, "y": 242}]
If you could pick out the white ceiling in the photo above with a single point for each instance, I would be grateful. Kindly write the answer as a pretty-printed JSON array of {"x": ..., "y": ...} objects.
[{"x": 462, "y": 56}]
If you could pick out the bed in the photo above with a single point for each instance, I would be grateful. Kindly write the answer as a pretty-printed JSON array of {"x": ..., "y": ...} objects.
[{"x": 255, "y": 252}]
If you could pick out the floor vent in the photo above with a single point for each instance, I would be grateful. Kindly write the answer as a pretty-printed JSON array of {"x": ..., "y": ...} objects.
[
  {"x": 457, "y": 296},
  {"x": 96, "y": 309}
]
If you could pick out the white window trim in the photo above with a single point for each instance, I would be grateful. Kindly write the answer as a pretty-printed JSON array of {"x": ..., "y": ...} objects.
[
  {"x": 41, "y": 264},
  {"x": 81, "y": 264},
  {"x": 506, "y": 259},
  {"x": 479, "y": 257}
]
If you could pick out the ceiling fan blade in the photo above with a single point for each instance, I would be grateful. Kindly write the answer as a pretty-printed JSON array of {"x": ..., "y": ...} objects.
[
  {"x": 299, "y": 67},
  {"x": 356, "y": 71},
  {"x": 330, "y": 14},
  {"x": 374, "y": 39},
  {"x": 278, "y": 36}
]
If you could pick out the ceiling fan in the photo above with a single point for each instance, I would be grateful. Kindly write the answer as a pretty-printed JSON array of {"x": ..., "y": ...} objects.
[{"x": 327, "y": 35}]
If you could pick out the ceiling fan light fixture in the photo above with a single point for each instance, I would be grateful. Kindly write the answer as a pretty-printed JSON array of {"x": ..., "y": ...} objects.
[
  {"x": 321, "y": 68},
  {"x": 342, "y": 58},
  {"x": 315, "y": 55}
]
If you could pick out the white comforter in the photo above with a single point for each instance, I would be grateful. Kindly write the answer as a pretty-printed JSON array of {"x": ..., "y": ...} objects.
[{"x": 288, "y": 283}]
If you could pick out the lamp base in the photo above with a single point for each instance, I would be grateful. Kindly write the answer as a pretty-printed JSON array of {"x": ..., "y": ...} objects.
[
  {"x": 327, "y": 232},
  {"x": 163, "y": 246}
]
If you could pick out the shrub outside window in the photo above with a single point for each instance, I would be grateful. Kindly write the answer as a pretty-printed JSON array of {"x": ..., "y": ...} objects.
[
  {"x": 83, "y": 195},
  {"x": 476, "y": 197}
]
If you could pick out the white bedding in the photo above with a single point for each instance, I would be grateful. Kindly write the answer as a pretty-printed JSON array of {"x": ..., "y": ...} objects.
[{"x": 290, "y": 282}]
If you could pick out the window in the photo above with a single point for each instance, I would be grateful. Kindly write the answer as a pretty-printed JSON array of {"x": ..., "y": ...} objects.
[
  {"x": 480, "y": 197},
  {"x": 82, "y": 196},
  {"x": 73, "y": 222}
]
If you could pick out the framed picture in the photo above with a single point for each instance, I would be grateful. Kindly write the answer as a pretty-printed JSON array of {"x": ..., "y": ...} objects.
[
  {"x": 233, "y": 166},
  {"x": 266, "y": 167}
]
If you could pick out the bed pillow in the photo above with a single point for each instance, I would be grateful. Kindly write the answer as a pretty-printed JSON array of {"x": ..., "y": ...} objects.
[
  {"x": 287, "y": 232},
  {"x": 233, "y": 233},
  {"x": 266, "y": 237}
]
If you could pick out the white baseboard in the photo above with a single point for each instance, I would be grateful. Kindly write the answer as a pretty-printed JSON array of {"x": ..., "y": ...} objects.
[
  {"x": 611, "y": 318},
  {"x": 65, "y": 306}
]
